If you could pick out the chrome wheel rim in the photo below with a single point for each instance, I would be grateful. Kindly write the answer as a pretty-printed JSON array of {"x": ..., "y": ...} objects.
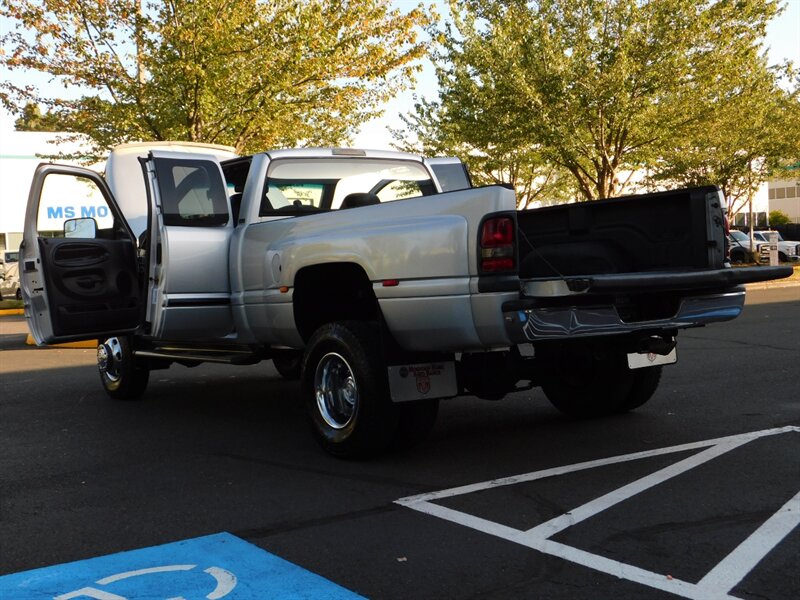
[
  {"x": 109, "y": 358},
  {"x": 335, "y": 390}
]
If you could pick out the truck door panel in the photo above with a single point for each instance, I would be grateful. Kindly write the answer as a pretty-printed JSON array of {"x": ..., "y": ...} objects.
[
  {"x": 90, "y": 281},
  {"x": 80, "y": 274},
  {"x": 190, "y": 286}
]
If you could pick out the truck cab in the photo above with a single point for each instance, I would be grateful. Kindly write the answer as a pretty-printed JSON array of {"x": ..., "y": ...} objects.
[{"x": 147, "y": 248}]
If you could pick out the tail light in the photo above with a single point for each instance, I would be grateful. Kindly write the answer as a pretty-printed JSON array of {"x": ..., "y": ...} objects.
[{"x": 497, "y": 245}]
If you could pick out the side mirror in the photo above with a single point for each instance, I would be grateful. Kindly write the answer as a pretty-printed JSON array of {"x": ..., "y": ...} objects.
[{"x": 80, "y": 228}]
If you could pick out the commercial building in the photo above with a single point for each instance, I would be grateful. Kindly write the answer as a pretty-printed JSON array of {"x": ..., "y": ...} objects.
[
  {"x": 784, "y": 195},
  {"x": 20, "y": 153}
]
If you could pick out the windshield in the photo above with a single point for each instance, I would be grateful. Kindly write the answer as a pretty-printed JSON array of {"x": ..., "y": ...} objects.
[
  {"x": 739, "y": 236},
  {"x": 312, "y": 184},
  {"x": 764, "y": 235}
]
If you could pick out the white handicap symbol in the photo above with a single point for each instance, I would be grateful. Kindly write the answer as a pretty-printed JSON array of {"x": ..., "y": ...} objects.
[{"x": 225, "y": 580}]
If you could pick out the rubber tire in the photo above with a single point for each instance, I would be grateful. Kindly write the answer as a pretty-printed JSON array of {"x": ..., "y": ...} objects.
[
  {"x": 782, "y": 257},
  {"x": 645, "y": 384},
  {"x": 132, "y": 375},
  {"x": 374, "y": 422},
  {"x": 584, "y": 386},
  {"x": 289, "y": 365},
  {"x": 18, "y": 294},
  {"x": 738, "y": 257}
]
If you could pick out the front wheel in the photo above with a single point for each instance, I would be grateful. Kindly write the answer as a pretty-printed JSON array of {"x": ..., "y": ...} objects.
[
  {"x": 738, "y": 257},
  {"x": 123, "y": 376},
  {"x": 345, "y": 390}
]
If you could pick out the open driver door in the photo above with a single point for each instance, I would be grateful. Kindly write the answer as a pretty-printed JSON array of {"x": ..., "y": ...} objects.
[{"x": 79, "y": 268}]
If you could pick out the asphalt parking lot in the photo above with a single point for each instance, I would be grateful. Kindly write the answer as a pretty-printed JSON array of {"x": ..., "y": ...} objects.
[{"x": 213, "y": 487}]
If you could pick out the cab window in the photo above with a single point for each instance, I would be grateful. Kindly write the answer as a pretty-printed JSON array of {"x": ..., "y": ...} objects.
[
  {"x": 192, "y": 193},
  {"x": 400, "y": 190},
  {"x": 297, "y": 186}
]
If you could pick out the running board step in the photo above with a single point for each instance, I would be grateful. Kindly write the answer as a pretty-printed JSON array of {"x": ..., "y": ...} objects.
[{"x": 194, "y": 355}]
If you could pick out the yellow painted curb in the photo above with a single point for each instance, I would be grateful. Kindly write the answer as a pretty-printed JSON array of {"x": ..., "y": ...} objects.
[
  {"x": 11, "y": 311},
  {"x": 86, "y": 345}
]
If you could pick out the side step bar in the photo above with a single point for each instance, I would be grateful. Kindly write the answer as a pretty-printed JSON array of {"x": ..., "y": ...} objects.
[{"x": 201, "y": 355}]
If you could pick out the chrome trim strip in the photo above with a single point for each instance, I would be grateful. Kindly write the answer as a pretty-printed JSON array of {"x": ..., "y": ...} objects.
[{"x": 569, "y": 322}]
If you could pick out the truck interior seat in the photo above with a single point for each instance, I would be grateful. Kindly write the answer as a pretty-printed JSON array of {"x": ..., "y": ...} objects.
[
  {"x": 236, "y": 205},
  {"x": 359, "y": 199}
]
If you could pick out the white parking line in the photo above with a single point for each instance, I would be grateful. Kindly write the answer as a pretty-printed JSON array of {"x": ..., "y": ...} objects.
[
  {"x": 727, "y": 574},
  {"x": 554, "y": 526},
  {"x": 485, "y": 485},
  {"x": 716, "y": 584}
]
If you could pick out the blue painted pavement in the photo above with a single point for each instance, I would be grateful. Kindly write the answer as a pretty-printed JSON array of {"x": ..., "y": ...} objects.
[{"x": 213, "y": 567}]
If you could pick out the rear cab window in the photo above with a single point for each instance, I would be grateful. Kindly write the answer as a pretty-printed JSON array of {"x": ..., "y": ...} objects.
[{"x": 297, "y": 186}]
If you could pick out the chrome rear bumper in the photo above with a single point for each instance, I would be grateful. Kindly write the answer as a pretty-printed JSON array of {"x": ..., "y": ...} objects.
[{"x": 528, "y": 324}]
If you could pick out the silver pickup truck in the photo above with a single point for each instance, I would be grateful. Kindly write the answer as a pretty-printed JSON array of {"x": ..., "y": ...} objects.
[{"x": 383, "y": 281}]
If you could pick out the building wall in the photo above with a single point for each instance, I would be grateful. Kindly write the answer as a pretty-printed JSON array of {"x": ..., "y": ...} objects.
[
  {"x": 20, "y": 153},
  {"x": 784, "y": 195}
]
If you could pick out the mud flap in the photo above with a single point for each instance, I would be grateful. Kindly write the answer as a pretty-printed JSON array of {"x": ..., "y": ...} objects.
[
  {"x": 640, "y": 360},
  {"x": 422, "y": 381}
]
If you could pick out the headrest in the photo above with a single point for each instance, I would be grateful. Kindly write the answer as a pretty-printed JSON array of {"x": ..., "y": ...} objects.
[{"x": 359, "y": 199}]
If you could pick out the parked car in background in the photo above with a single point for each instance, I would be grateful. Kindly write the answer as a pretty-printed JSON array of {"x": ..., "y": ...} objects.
[
  {"x": 9, "y": 282},
  {"x": 7, "y": 258},
  {"x": 739, "y": 243},
  {"x": 788, "y": 251}
]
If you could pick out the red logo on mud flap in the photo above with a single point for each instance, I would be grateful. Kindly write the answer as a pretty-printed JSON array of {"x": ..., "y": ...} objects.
[
  {"x": 423, "y": 382},
  {"x": 423, "y": 375}
]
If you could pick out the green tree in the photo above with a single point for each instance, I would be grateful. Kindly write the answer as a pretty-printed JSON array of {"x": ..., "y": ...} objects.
[
  {"x": 599, "y": 88},
  {"x": 481, "y": 142},
  {"x": 32, "y": 119},
  {"x": 752, "y": 135},
  {"x": 778, "y": 217},
  {"x": 247, "y": 73}
]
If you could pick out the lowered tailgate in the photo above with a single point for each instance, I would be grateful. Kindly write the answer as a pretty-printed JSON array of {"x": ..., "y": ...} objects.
[{"x": 620, "y": 303}]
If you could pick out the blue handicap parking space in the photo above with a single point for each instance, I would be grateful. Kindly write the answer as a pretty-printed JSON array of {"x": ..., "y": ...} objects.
[{"x": 213, "y": 567}]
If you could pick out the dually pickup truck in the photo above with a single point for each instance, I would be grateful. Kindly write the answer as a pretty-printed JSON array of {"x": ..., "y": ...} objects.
[{"x": 383, "y": 281}]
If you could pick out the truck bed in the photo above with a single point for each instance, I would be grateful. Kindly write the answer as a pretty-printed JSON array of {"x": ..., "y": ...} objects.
[
  {"x": 653, "y": 261},
  {"x": 679, "y": 230}
]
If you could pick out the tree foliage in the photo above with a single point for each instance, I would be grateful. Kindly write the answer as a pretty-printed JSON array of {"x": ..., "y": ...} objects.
[
  {"x": 489, "y": 155},
  {"x": 778, "y": 217},
  {"x": 32, "y": 119},
  {"x": 753, "y": 134},
  {"x": 598, "y": 88},
  {"x": 247, "y": 73}
]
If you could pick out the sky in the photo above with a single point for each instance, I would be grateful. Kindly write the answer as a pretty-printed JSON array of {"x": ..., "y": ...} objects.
[{"x": 782, "y": 41}]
